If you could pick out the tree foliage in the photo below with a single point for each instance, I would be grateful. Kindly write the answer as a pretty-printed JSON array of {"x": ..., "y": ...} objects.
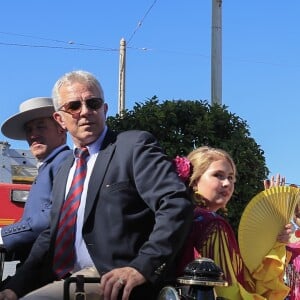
[{"x": 182, "y": 125}]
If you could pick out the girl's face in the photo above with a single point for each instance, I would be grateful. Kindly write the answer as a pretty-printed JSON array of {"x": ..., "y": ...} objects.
[{"x": 216, "y": 185}]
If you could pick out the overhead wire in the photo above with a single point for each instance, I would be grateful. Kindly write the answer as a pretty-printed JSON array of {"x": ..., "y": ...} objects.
[
  {"x": 80, "y": 44},
  {"x": 56, "y": 47},
  {"x": 71, "y": 44},
  {"x": 141, "y": 21}
]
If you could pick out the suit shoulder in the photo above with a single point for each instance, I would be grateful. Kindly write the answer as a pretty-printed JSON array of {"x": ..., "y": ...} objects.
[
  {"x": 65, "y": 153},
  {"x": 134, "y": 135},
  {"x": 58, "y": 160}
]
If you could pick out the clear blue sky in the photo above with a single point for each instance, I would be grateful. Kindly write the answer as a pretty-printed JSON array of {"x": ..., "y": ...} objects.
[{"x": 41, "y": 40}]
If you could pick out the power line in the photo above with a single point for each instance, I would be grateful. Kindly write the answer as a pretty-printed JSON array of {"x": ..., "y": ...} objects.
[
  {"x": 86, "y": 47},
  {"x": 56, "y": 47},
  {"x": 69, "y": 43},
  {"x": 141, "y": 22}
]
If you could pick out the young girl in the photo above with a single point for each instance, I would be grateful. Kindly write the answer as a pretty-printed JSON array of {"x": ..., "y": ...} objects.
[{"x": 212, "y": 178}]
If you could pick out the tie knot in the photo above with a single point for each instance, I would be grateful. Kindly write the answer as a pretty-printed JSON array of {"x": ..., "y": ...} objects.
[{"x": 82, "y": 152}]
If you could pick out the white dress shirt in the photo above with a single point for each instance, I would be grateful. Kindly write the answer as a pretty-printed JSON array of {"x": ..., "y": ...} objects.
[{"x": 83, "y": 258}]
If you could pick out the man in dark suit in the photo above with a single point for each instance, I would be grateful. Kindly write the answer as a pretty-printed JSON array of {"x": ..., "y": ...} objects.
[
  {"x": 47, "y": 141},
  {"x": 134, "y": 213}
]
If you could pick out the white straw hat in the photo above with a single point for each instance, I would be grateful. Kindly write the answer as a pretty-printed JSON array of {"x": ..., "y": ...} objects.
[{"x": 34, "y": 108}]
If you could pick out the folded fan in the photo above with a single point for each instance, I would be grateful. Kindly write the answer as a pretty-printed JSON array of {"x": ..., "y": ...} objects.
[{"x": 262, "y": 220}]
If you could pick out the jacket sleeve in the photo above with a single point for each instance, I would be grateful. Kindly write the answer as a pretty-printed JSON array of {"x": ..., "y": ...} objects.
[
  {"x": 37, "y": 269},
  {"x": 161, "y": 189},
  {"x": 36, "y": 213}
]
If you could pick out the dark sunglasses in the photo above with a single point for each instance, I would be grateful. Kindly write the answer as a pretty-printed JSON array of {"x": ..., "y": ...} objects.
[{"x": 74, "y": 107}]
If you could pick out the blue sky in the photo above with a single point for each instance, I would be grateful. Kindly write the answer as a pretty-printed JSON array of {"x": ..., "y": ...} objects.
[{"x": 168, "y": 55}]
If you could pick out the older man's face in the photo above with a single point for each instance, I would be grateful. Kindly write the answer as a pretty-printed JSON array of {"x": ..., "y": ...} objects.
[{"x": 87, "y": 125}]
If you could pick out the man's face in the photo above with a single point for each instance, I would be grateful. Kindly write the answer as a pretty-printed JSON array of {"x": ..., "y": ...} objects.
[
  {"x": 86, "y": 125},
  {"x": 43, "y": 135}
]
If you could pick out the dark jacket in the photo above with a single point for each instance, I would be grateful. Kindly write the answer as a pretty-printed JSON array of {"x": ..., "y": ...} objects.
[{"x": 137, "y": 213}]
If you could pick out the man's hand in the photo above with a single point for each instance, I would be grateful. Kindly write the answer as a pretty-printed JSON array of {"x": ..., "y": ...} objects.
[
  {"x": 8, "y": 295},
  {"x": 120, "y": 279}
]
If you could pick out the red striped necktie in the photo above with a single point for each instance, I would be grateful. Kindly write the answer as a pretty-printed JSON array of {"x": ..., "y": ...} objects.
[{"x": 64, "y": 253}]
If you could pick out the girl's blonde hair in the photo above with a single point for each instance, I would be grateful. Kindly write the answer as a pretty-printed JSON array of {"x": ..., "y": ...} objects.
[{"x": 202, "y": 157}]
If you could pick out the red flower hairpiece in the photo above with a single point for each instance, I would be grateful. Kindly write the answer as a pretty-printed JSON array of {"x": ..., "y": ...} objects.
[{"x": 183, "y": 167}]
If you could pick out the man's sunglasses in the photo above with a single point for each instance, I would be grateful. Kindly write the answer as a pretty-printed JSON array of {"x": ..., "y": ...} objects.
[{"x": 74, "y": 107}]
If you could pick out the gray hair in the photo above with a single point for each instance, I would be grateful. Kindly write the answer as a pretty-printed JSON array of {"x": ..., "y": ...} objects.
[{"x": 71, "y": 77}]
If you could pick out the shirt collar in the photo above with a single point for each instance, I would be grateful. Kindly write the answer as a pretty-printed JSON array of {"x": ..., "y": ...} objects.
[{"x": 95, "y": 146}]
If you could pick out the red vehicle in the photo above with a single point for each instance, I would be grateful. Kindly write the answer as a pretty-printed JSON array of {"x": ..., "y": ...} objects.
[
  {"x": 17, "y": 172},
  {"x": 12, "y": 200}
]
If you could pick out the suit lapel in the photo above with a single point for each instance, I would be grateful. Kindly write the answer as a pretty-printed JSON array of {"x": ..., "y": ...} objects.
[
  {"x": 99, "y": 170},
  {"x": 59, "y": 193}
]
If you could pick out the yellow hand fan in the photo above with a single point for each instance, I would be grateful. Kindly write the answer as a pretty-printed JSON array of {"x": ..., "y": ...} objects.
[{"x": 262, "y": 220}]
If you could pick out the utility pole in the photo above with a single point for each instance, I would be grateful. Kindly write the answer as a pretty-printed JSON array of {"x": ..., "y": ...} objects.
[
  {"x": 122, "y": 66},
  {"x": 216, "y": 53}
]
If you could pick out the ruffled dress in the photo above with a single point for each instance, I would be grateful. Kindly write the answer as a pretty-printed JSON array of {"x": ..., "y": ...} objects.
[
  {"x": 293, "y": 271},
  {"x": 211, "y": 236}
]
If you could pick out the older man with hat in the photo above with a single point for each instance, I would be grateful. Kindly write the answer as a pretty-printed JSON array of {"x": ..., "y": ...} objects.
[{"x": 47, "y": 141}]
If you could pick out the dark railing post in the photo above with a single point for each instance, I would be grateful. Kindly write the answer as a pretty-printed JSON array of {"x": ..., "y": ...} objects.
[{"x": 198, "y": 282}]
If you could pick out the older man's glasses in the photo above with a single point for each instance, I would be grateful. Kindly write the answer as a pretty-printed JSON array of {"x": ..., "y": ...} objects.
[{"x": 75, "y": 107}]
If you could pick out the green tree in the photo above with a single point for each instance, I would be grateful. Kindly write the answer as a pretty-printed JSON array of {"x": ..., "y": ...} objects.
[{"x": 182, "y": 125}]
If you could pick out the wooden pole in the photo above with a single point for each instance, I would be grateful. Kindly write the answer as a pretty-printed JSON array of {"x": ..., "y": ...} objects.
[
  {"x": 122, "y": 67},
  {"x": 216, "y": 53}
]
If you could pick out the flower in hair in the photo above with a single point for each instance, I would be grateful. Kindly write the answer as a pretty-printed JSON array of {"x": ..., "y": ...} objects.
[{"x": 183, "y": 167}]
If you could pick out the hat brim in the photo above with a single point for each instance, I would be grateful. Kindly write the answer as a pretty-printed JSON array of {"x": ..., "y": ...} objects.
[{"x": 13, "y": 127}]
